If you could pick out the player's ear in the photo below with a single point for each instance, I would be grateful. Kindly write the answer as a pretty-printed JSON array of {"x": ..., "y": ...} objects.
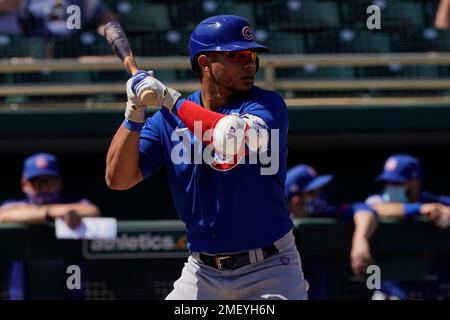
[{"x": 203, "y": 62}]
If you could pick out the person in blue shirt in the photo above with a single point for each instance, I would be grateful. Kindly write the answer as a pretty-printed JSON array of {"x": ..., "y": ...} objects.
[
  {"x": 304, "y": 189},
  {"x": 402, "y": 196},
  {"x": 42, "y": 184},
  {"x": 224, "y": 150}
]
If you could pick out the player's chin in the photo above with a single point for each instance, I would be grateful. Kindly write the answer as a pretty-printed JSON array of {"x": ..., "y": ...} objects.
[{"x": 245, "y": 85}]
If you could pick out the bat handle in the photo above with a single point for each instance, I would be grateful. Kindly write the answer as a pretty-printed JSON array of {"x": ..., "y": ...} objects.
[{"x": 148, "y": 97}]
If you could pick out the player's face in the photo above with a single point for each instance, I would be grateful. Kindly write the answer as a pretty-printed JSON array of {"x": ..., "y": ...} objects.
[
  {"x": 234, "y": 70},
  {"x": 42, "y": 189}
]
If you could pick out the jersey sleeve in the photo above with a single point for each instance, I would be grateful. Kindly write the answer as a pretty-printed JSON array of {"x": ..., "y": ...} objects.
[
  {"x": 150, "y": 146},
  {"x": 271, "y": 108},
  {"x": 428, "y": 197}
]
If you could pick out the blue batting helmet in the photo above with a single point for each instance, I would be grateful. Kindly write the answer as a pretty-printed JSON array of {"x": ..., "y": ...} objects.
[{"x": 222, "y": 33}]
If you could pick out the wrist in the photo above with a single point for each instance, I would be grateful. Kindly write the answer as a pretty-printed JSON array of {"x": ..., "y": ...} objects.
[
  {"x": 133, "y": 126},
  {"x": 135, "y": 113},
  {"x": 171, "y": 98},
  {"x": 412, "y": 209},
  {"x": 48, "y": 215}
]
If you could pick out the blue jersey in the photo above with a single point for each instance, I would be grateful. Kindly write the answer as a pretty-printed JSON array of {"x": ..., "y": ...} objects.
[
  {"x": 425, "y": 197},
  {"x": 342, "y": 211},
  {"x": 224, "y": 211},
  {"x": 62, "y": 200}
]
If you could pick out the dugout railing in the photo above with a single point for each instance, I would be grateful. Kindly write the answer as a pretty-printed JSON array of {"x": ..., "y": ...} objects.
[{"x": 148, "y": 256}]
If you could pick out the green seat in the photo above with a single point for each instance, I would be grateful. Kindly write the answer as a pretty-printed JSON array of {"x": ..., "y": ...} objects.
[
  {"x": 163, "y": 43},
  {"x": 347, "y": 41},
  {"x": 313, "y": 72},
  {"x": 414, "y": 40},
  {"x": 398, "y": 71},
  {"x": 402, "y": 15},
  {"x": 187, "y": 14},
  {"x": 285, "y": 42},
  {"x": 145, "y": 17},
  {"x": 396, "y": 14},
  {"x": 87, "y": 43},
  {"x": 20, "y": 46},
  {"x": 244, "y": 10},
  {"x": 298, "y": 15}
]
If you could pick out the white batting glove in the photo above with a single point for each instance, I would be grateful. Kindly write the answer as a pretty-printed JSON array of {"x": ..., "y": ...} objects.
[
  {"x": 142, "y": 80},
  {"x": 135, "y": 110}
]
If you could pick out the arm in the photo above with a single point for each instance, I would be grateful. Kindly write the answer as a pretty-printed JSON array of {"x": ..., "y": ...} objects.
[
  {"x": 23, "y": 213},
  {"x": 437, "y": 213},
  {"x": 365, "y": 226},
  {"x": 32, "y": 214},
  {"x": 442, "y": 20},
  {"x": 10, "y": 5},
  {"x": 122, "y": 160}
]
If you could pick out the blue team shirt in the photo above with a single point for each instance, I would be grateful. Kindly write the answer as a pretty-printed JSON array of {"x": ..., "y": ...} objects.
[
  {"x": 62, "y": 200},
  {"x": 342, "y": 211},
  {"x": 224, "y": 211},
  {"x": 425, "y": 197}
]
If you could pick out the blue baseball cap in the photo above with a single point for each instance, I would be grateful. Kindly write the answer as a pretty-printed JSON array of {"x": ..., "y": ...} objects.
[
  {"x": 303, "y": 178},
  {"x": 40, "y": 164},
  {"x": 400, "y": 168}
]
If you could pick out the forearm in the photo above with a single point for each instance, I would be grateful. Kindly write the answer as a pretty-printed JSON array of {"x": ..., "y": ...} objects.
[
  {"x": 390, "y": 210},
  {"x": 24, "y": 214},
  {"x": 365, "y": 224},
  {"x": 122, "y": 160},
  {"x": 442, "y": 15},
  {"x": 82, "y": 209},
  {"x": 10, "y": 5}
]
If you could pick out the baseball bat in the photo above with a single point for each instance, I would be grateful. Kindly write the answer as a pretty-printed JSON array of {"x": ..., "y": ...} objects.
[{"x": 117, "y": 38}]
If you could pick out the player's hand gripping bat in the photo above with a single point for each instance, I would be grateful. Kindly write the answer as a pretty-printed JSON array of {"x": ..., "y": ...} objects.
[{"x": 119, "y": 42}]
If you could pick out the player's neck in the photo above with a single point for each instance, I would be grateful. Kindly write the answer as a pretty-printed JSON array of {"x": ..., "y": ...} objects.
[{"x": 213, "y": 100}]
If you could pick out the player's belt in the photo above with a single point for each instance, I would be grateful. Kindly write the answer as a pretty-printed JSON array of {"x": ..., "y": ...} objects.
[{"x": 234, "y": 261}]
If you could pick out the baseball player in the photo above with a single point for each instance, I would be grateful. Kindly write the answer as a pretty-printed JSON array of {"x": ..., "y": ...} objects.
[
  {"x": 307, "y": 199},
  {"x": 238, "y": 228},
  {"x": 403, "y": 198},
  {"x": 42, "y": 184}
]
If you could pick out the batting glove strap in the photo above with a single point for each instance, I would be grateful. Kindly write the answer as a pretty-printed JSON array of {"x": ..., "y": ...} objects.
[
  {"x": 135, "y": 113},
  {"x": 170, "y": 98}
]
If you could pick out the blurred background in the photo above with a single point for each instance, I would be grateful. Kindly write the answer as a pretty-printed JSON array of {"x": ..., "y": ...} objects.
[{"x": 354, "y": 95}]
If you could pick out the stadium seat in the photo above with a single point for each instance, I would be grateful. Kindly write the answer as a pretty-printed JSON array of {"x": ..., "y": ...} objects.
[
  {"x": 86, "y": 43},
  {"x": 20, "y": 46},
  {"x": 284, "y": 42},
  {"x": 244, "y": 10},
  {"x": 298, "y": 15},
  {"x": 443, "y": 41},
  {"x": 347, "y": 41},
  {"x": 184, "y": 15},
  {"x": 143, "y": 17},
  {"x": 164, "y": 43},
  {"x": 415, "y": 40},
  {"x": 402, "y": 15},
  {"x": 315, "y": 72},
  {"x": 398, "y": 71},
  {"x": 395, "y": 14}
]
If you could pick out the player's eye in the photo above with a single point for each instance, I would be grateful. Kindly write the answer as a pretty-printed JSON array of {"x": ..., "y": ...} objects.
[{"x": 241, "y": 56}]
